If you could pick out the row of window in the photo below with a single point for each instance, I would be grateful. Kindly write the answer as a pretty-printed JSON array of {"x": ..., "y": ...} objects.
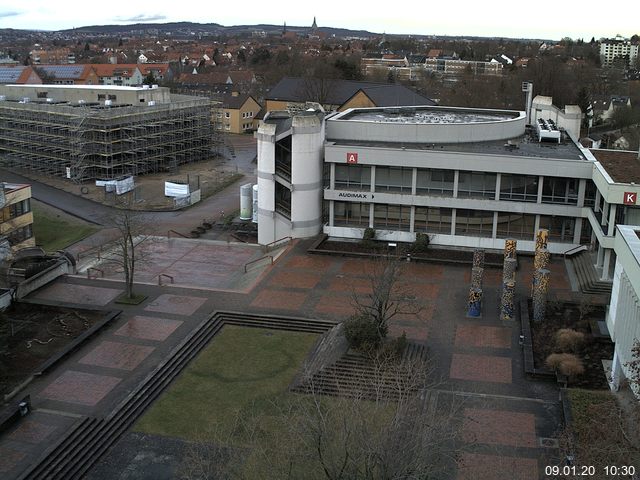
[
  {"x": 19, "y": 235},
  {"x": 15, "y": 210},
  {"x": 475, "y": 223},
  {"x": 521, "y": 188}
]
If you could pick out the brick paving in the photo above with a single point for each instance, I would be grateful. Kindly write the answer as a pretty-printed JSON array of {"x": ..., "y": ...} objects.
[
  {"x": 481, "y": 336},
  {"x": 473, "y": 466},
  {"x": 116, "y": 355},
  {"x": 148, "y": 328},
  {"x": 482, "y": 368},
  {"x": 176, "y": 304},
  {"x": 80, "y": 387},
  {"x": 499, "y": 427},
  {"x": 474, "y": 356}
]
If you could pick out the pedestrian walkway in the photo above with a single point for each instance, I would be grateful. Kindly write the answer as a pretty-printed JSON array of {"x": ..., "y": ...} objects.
[{"x": 506, "y": 419}]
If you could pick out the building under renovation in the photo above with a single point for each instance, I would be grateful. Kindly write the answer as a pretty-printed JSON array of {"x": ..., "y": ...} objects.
[{"x": 86, "y": 132}]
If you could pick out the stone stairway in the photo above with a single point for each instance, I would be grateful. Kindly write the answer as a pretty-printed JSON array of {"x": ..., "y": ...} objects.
[{"x": 588, "y": 278}]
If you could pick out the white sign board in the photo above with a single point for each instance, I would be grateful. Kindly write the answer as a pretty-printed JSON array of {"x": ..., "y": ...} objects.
[{"x": 175, "y": 189}]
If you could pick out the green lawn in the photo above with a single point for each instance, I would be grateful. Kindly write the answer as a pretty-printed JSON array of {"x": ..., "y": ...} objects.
[
  {"x": 243, "y": 371},
  {"x": 53, "y": 233}
]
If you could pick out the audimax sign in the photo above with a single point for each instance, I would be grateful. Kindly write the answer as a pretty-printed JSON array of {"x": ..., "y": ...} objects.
[{"x": 361, "y": 196}]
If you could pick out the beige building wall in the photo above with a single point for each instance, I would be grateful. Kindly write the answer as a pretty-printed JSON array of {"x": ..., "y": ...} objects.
[
  {"x": 359, "y": 100},
  {"x": 242, "y": 119},
  {"x": 8, "y": 224}
]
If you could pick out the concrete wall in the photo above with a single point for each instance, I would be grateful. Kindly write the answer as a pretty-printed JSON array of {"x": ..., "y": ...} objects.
[
  {"x": 569, "y": 118},
  {"x": 43, "y": 278},
  {"x": 383, "y": 131}
]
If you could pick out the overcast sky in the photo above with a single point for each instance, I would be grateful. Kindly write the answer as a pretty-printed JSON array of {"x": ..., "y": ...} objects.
[{"x": 542, "y": 19}]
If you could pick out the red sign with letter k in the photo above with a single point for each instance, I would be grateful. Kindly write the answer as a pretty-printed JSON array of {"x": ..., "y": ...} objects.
[{"x": 630, "y": 198}]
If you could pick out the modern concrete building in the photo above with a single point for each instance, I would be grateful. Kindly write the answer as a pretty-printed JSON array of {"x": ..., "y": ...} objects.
[
  {"x": 618, "y": 49},
  {"x": 467, "y": 177},
  {"x": 84, "y": 132},
  {"x": 623, "y": 316},
  {"x": 16, "y": 219}
]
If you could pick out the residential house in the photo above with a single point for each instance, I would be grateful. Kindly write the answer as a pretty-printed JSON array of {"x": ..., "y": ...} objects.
[
  {"x": 119, "y": 74},
  {"x": 19, "y": 75},
  {"x": 67, "y": 74},
  {"x": 603, "y": 107},
  {"x": 292, "y": 94},
  {"x": 239, "y": 113}
]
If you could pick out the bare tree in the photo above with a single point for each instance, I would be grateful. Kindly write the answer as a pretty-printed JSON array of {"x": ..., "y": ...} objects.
[
  {"x": 389, "y": 296},
  {"x": 131, "y": 228}
]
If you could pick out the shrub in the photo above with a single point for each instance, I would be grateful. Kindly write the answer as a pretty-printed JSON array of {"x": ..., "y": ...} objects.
[
  {"x": 395, "y": 348},
  {"x": 568, "y": 340},
  {"x": 421, "y": 244},
  {"x": 368, "y": 238},
  {"x": 565, "y": 363},
  {"x": 362, "y": 333}
]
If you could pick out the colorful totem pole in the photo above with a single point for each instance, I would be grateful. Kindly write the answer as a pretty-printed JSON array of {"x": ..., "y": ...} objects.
[
  {"x": 508, "y": 279},
  {"x": 540, "y": 294},
  {"x": 474, "y": 306}
]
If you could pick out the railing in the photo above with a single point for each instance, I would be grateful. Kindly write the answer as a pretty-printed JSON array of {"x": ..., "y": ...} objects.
[
  {"x": 270, "y": 257},
  {"x": 573, "y": 250},
  {"x": 268, "y": 246},
  {"x": 177, "y": 233},
  {"x": 164, "y": 275},
  {"x": 100, "y": 271}
]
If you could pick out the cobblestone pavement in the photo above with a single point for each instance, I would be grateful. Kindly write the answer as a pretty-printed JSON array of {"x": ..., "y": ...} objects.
[{"x": 504, "y": 415}]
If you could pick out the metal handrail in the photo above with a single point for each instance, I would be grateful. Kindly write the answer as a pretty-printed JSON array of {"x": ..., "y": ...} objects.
[
  {"x": 573, "y": 250},
  {"x": 177, "y": 233},
  {"x": 164, "y": 275},
  {"x": 270, "y": 257},
  {"x": 266, "y": 247}
]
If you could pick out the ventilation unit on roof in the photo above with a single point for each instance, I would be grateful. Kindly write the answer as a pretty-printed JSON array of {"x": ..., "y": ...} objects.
[{"x": 547, "y": 131}]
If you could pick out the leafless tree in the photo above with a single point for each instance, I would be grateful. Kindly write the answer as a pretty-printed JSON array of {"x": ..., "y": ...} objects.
[
  {"x": 132, "y": 230},
  {"x": 389, "y": 295}
]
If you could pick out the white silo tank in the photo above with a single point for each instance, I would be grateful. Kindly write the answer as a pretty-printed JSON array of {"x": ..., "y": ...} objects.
[
  {"x": 254, "y": 216},
  {"x": 245, "y": 201}
]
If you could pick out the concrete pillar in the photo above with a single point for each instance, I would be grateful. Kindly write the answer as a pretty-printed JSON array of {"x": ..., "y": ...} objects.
[
  {"x": 582, "y": 190},
  {"x": 612, "y": 220},
  {"x": 540, "y": 184},
  {"x": 332, "y": 210},
  {"x": 332, "y": 176},
  {"x": 371, "y": 212},
  {"x": 453, "y": 221},
  {"x": 414, "y": 181},
  {"x": 456, "y": 179},
  {"x": 606, "y": 262},
  {"x": 616, "y": 372},
  {"x": 412, "y": 216},
  {"x": 498, "y": 181},
  {"x": 577, "y": 230},
  {"x": 599, "y": 257},
  {"x": 373, "y": 179},
  {"x": 494, "y": 227}
]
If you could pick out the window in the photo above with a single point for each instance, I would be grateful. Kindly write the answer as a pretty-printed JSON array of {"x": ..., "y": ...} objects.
[
  {"x": 519, "y": 188},
  {"x": 352, "y": 177},
  {"x": 283, "y": 200},
  {"x": 227, "y": 115},
  {"x": 560, "y": 190},
  {"x": 475, "y": 223},
  {"x": 590, "y": 194},
  {"x": 392, "y": 217},
  {"x": 433, "y": 220},
  {"x": 516, "y": 225},
  {"x": 560, "y": 228},
  {"x": 19, "y": 235},
  {"x": 15, "y": 210},
  {"x": 43, "y": 94},
  {"x": 351, "y": 214},
  {"x": 477, "y": 185},
  {"x": 394, "y": 179},
  {"x": 435, "y": 182}
]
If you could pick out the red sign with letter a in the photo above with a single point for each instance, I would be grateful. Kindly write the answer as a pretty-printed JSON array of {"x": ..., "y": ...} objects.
[
  {"x": 630, "y": 198},
  {"x": 352, "y": 157}
]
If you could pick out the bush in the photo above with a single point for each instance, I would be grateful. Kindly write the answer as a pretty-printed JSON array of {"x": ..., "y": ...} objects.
[
  {"x": 395, "y": 348},
  {"x": 568, "y": 340},
  {"x": 421, "y": 244},
  {"x": 362, "y": 333},
  {"x": 565, "y": 363},
  {"x": 368, "y": 238}
]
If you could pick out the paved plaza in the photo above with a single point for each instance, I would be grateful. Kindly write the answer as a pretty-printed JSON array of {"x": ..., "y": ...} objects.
[{"x": 504, "y": 415}]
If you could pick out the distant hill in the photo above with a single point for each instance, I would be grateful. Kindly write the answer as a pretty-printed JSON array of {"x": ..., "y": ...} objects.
[{"x": 209, "y": 28}]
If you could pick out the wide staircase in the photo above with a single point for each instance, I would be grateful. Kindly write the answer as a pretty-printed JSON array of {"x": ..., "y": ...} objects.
[
  {"x": 91, "y": 437},
  {"x": 357, "y": 375},
  {"x": 588, "y": 279}
]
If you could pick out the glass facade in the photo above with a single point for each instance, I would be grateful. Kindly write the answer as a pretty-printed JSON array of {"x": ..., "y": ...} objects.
[
  {"x": 519, "y": 188},
  {"x": 394, "y": 179},
  {"x": 347, "y": 214},
  {"x": 353, "y": 177},
  {"x": 435, "y": 182},
  {"x": 560, "y": 190},
  {"x": 516, "y": 225},
  {"x": 433, "y": 220},
  {"x": 474, "y": 223},
  {"x": 561, "y": 229},
  {"x": 477, "y": 185},
  {"x": 392, "y": 217}
]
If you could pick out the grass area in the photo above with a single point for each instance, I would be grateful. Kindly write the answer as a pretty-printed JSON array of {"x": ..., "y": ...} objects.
[
  {"x": 243, "y": 371},
  {"x": 54, "y": 233}
]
